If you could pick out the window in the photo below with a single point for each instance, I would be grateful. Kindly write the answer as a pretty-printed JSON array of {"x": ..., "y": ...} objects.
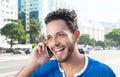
[
  {"x": 7, "y": 0},
  {"x": 2, "y": 0},
  {"x": 7, "y": 6},
  {"x": 11, "y": 12}
]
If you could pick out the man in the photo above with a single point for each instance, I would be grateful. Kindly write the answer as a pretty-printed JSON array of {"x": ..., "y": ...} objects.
[{"x": 62, "y": 37}]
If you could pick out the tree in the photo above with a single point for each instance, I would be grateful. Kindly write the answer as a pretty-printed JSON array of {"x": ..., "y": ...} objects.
[
  {"x": 35, "y": 30},
  {"x": 114, "y": 35},
  {"x": 110, "y": 42},
  {"x": 84, "y": 39},
  {"x": 13, "y": 31},
  {"x": 100, "y": 43},
  {"x": 92, "y": 42}
]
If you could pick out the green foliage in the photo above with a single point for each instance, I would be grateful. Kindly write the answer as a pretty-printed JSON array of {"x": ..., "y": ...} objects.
[
  {"x": 21, "y": 33},
  {"x": 110, "y": 42},
  {"x": 84, "y": 39},
  {"x": 114, "y": 35},
  {"x": 33, "y": 45},
  {"x": 35, "y": 29},
  {"x": 92, "y": 42},
  {"x": 100, "y": 43},
  {"x": 12, "y": 20},
  {"x": 8, "y": 30},
  {"x": 14, "y": 31}
]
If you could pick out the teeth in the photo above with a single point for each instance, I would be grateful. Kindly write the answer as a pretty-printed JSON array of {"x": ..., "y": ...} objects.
[{"x": 57, "y": 50}]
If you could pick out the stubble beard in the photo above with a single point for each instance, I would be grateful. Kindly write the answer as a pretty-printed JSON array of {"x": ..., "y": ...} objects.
[{"x": 71, "y": 49}]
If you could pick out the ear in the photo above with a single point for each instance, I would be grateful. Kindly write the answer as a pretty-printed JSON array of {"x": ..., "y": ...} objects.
[{"x": 77, "y": 35}]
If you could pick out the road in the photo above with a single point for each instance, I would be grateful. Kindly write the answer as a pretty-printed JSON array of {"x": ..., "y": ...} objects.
[
  {"x": 11, "y": 64},
  {"x": 109, "y": 57}
]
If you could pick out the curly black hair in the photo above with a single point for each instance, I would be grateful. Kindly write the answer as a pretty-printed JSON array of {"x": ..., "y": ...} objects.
[{"x": 70, "y": 18}]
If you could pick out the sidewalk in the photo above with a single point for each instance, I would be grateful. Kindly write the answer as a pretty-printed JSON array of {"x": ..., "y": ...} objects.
[{"x": 8, "y": 56}]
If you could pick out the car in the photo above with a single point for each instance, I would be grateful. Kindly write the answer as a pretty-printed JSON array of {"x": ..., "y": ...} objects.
[
  {"x": 81, "y": 51},
  {"x": 84, "y": 51},
  {"x": 18, "y": 52},
  {"x": 27, "y": 51}
]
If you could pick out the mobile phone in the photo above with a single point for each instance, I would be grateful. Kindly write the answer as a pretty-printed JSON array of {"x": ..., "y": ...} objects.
[{"x": 48, "y": 51}]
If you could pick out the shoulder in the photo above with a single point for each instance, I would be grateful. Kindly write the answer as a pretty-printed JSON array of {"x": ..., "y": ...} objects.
[
  {"x": 50, "y": 64},
  {"x": 97, "y": 64},
  {"x": 47, "y": 68},
  {"x": 100, "y": 68}
]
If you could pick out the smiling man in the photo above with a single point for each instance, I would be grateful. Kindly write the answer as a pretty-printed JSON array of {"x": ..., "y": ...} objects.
[{"x": 62, "y": 38}]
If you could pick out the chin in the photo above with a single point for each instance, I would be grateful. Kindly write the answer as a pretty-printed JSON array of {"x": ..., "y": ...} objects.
[{"x": 62, "y": 59}]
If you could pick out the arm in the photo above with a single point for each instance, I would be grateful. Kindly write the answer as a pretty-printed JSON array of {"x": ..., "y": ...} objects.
[
  {"x": 27, "y": 70},
  {"x": 38, "y": 57}
]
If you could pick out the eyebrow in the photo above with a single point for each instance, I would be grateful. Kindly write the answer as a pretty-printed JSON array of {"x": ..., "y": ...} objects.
[
  {"x": 56, "y": 33},
  {"x": 60, "y": 32}
]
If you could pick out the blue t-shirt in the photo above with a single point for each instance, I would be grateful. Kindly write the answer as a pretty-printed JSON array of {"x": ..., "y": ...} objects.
[{"x": 93, "y": 69}]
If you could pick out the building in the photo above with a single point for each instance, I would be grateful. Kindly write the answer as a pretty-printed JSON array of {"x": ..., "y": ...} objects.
[
  {"x": 8, "y": 10},
  {"x": 31, "y": 7},
  {"x": 52, "y": 5},
  {"x": 94, "y": 29},
  {"x": 38, "y": 9},
  {"x": 110, "y": 26}
]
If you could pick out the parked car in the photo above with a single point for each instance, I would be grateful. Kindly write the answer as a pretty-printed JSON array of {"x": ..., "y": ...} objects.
[
  {"x": 18, "y": 52},
  {"x": 84, "y": 51},
  {"x": 81, "y": 51},
  {"x": 27, "y": 51}
]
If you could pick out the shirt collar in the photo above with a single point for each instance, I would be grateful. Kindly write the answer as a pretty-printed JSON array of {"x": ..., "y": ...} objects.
[{"x": 77, "y": 74}]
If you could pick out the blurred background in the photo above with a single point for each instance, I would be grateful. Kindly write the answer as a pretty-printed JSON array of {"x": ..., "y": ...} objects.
[{"x": 22, "y": 27}]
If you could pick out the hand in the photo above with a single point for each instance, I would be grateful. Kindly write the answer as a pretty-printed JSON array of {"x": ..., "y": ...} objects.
[{"x": 38, "y": 55}]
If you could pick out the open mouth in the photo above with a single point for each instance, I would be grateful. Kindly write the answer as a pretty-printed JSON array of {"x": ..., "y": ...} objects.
[{"x": 59, "y": 51}]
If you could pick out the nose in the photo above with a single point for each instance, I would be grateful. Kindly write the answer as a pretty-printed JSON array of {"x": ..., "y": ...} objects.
[{"x": 55, "y": 42}]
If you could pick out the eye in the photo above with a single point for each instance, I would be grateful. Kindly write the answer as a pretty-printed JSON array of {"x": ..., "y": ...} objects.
[
  {"x": 49, "y": 37},
  {"x": 61, "y": 34}
]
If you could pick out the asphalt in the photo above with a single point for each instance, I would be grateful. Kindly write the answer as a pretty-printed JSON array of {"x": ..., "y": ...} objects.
[
  {"x": 8, "y": 57},
  {"x": 112, "y": 58}
]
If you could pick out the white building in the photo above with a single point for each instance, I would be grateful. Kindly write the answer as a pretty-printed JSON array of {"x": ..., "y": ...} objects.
[
  {"x": 95, "y": 30},
  {"x": 51, "y": 5},
  {"x": 111, "y": 27},
  {"x": 8, "y": 10}
]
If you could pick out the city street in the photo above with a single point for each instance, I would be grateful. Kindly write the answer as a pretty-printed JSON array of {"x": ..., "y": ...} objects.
[
  {"x": 111, "y": 58},
  {"x": 11, "y": 64}
]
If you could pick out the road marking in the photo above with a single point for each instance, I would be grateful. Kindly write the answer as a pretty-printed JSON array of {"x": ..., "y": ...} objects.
[{"x": 8, "y": 74}]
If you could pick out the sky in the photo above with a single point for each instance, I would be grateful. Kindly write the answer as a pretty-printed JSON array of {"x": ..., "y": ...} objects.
[{"x": 98, "y": 10}]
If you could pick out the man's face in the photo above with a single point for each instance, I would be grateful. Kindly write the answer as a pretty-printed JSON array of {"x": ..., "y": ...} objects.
[{"x": 60, "y": 40}]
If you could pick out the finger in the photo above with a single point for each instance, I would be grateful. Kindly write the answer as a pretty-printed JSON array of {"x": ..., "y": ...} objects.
[
  {"x": 39, "y": 50},
  {"x": 42, "y": 46},
  {"x": 36, "y": 50}
]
